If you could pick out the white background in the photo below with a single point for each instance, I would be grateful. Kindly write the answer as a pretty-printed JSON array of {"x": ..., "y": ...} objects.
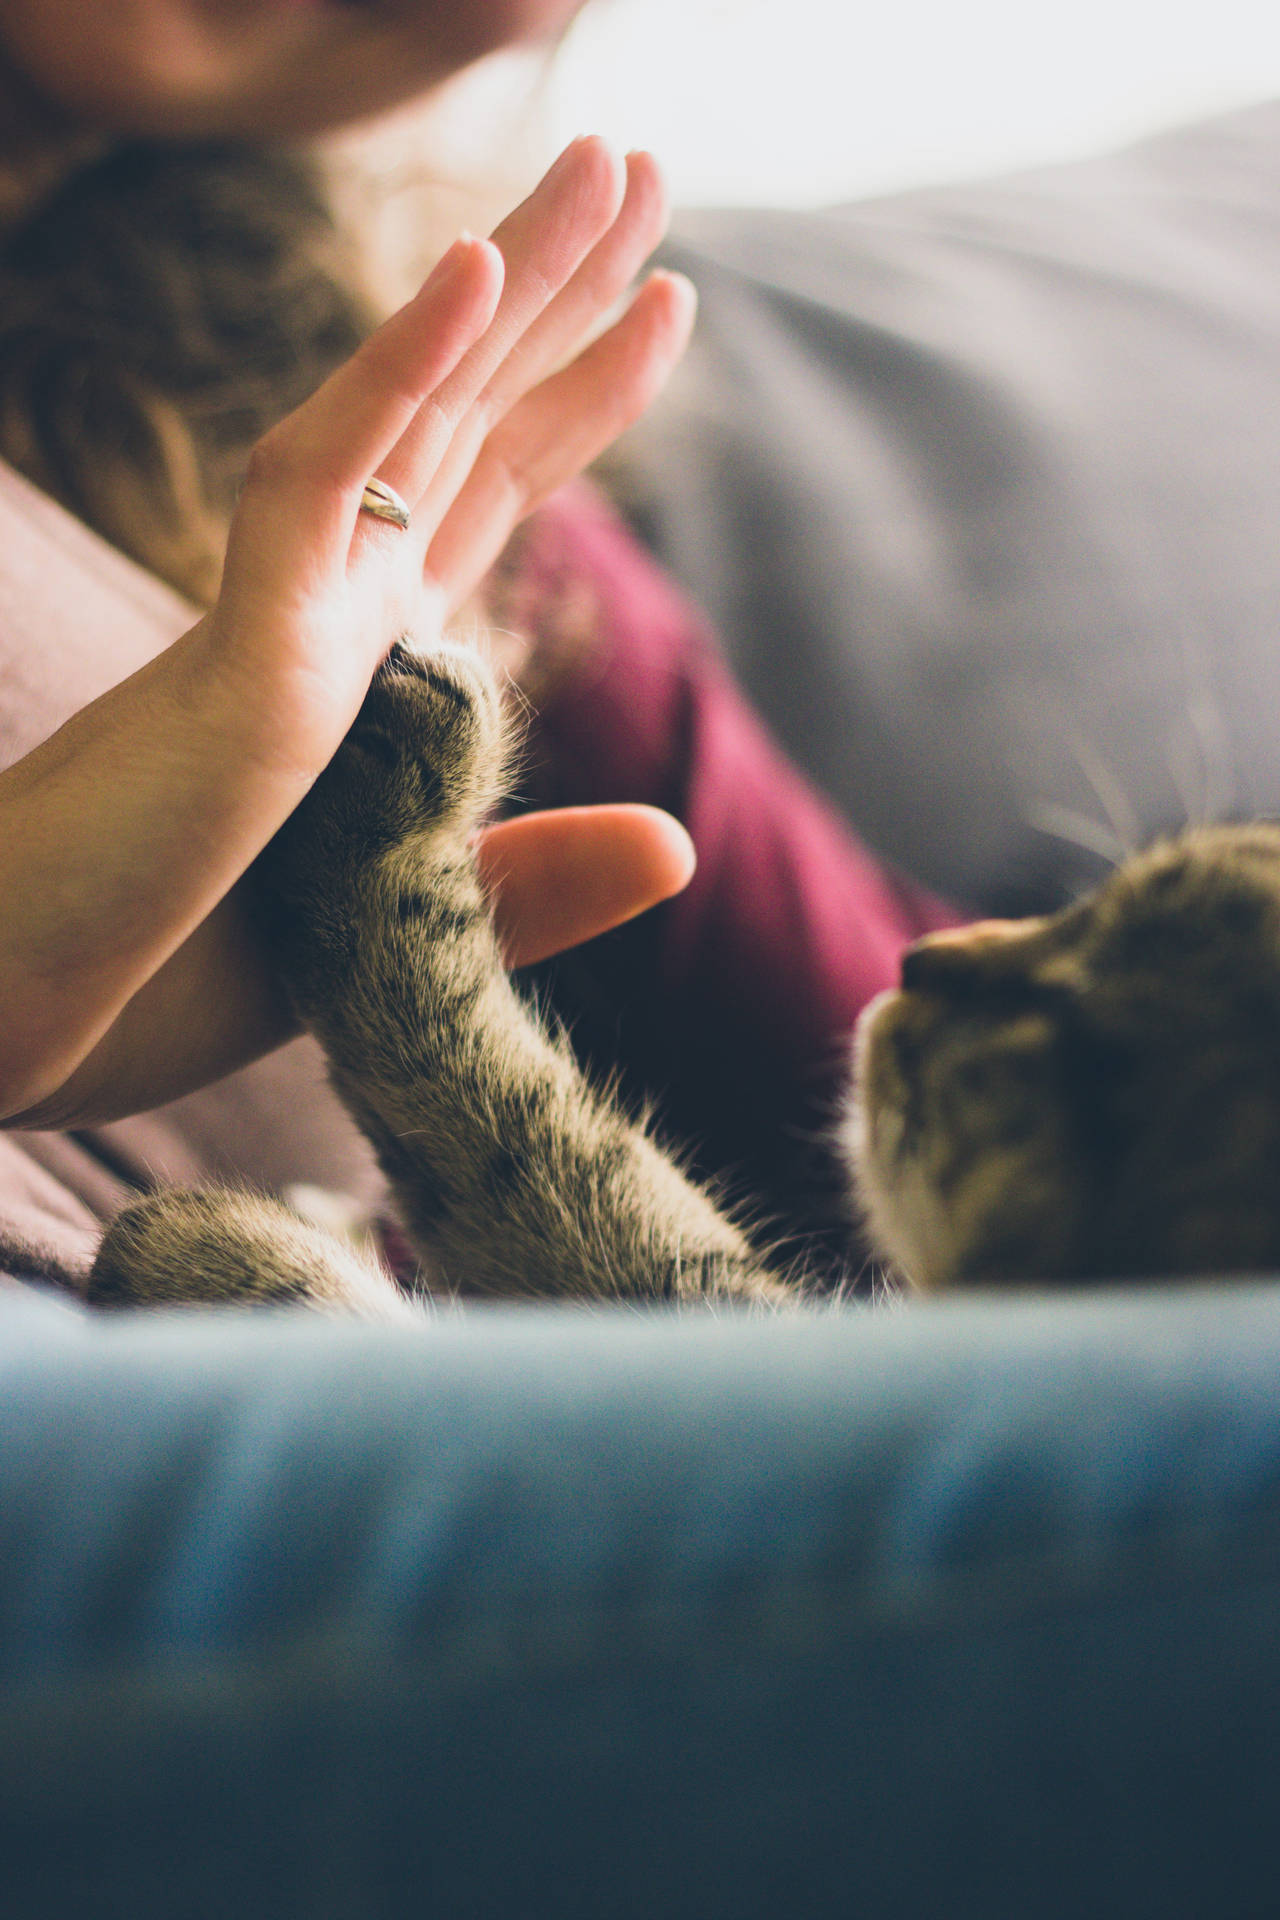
[{"x": 797, "y": 101}]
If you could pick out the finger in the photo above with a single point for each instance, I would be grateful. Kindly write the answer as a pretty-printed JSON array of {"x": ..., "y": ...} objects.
[
  {"x": 560, "y": 878},
  {"x": 302, "y": 490},
  {"x": 558, "y": 429},
  {"x": 543, "y": 243},
  {"x": 599, "y": 283}
]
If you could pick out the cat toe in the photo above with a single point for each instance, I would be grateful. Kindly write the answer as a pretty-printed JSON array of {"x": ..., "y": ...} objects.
[{"x": 433, "y": 721}]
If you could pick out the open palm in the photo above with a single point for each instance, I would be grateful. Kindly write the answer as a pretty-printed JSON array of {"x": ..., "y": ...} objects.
[{"x": 463, "y": 402}]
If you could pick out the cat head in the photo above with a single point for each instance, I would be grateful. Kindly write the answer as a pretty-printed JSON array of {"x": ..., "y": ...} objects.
[{"x": 1089, "y": 1096}]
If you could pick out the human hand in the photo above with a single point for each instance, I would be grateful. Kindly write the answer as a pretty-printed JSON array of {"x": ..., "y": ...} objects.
[
  {"x": 128, "y": 972},
  {"x": 462, "y": 404}
]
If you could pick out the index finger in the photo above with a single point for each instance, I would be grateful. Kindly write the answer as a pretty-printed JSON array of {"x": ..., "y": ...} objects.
[{"x": 306, "y": 475}]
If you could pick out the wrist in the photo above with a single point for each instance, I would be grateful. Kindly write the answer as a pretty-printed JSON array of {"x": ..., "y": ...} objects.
[
  {"x": 212, "y": 1008},
  {"x": 281, "y": 711},
  {"x": 119, "y": 836}
]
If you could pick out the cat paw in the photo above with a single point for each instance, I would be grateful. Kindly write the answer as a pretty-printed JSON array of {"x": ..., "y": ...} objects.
[
  {"x": 423, "y": 763},
  {"x": 215, "y": 1247},
  {"x": 427, "y": 749}
]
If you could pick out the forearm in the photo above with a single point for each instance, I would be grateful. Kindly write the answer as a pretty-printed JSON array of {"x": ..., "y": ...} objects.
[
  {"x": 118, "y": 838},
  {"x": 212, "y": 1007}
]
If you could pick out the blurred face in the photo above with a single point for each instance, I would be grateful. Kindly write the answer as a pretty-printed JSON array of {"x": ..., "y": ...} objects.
[{"x": 249, "y": 67}]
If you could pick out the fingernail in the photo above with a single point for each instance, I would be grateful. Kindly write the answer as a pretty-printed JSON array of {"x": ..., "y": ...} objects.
[
  {"x": 443, "y": 271},
  {"x": 449, "y": 263},
  {"x": 575, "y": 147},
  {"x": 680, "y": 281}
]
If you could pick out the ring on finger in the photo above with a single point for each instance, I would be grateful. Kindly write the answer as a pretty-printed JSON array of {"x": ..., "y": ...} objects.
[{"x": 384, "y": 503}]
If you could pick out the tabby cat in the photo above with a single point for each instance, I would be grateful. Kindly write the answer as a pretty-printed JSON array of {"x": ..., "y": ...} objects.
[
  {"x": 1075, "y": 1098},
  {"x": 1093, "y": 1095}
]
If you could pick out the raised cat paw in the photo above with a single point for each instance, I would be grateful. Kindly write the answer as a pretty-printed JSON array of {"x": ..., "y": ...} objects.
[
  {"x": 431, "y": 733},
  {"x": 425, "y": 751},
  {"x": 423, "y": 763}
]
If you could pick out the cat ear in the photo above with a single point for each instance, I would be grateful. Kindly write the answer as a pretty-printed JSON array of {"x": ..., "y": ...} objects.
[
  {"x": 984, "y": 952},
  {"x": 991, "y": 955}
]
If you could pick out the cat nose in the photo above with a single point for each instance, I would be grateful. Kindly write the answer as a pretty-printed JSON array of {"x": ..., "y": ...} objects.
[{"x": 943, "y": 959}]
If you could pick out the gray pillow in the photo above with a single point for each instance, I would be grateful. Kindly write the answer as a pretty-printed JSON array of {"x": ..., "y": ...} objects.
[{"x": 982, "y": 486}]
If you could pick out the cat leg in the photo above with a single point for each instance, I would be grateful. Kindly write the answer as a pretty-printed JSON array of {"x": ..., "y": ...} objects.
[
  {"x": 218, "y": 1247},
  {"x": 511, "y": 1172}
]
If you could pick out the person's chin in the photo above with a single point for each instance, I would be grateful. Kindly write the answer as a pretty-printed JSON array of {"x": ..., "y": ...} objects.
[{"x": 280, "y": 68}]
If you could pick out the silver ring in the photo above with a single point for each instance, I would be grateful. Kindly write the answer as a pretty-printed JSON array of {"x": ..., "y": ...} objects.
[{"x": 384, "y": 503}]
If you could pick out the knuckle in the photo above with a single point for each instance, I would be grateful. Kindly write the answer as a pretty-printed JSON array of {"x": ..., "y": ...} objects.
[
  {"x": 279, "y": 463},
  {"x": 504, "y": 493},
  {"x": 513, "y": 474},
  {"x": 270, "y": 462},
  {"x": 437, "y": 422}
]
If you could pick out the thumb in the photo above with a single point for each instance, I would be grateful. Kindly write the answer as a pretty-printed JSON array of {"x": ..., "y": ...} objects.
[{"x": 561, "y": 877}]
